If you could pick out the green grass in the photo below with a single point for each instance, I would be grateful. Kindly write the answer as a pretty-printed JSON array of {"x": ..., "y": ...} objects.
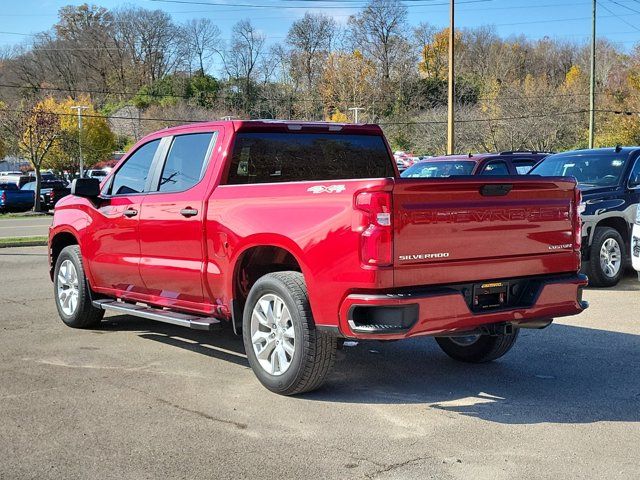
[
  {"x": 22, "y": 241},
  {"x": 4, "y": 216}
]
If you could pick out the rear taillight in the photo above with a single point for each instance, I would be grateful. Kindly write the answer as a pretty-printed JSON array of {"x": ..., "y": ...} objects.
[
  {"x": 578, "y": 208},
  {"x": 3, "y": 197},
  {"x": 376, "y": 240}
]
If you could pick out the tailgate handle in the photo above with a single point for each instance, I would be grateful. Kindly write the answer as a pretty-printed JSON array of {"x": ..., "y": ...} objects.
[{"x": 495, "y": 189}]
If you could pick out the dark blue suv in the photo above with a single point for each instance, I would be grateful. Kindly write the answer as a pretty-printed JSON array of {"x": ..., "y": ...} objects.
[{"x": 610, "y": 182}]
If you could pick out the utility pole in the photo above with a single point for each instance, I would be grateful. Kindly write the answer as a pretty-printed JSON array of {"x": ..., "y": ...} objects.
[
  {"x": 355, "y": 111},
  {"x": 79, "y": 108},
  {"x": 450, "y": 112},
  {"x": 592, "y": 89}
]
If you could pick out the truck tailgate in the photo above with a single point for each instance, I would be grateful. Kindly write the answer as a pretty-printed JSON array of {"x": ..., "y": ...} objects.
[{"x": 473, "y": 228}]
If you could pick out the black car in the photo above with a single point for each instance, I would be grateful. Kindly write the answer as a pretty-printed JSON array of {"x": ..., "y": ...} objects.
[
  {"x": 609, "y": 179},
  {"x": 50, "y": 192}
]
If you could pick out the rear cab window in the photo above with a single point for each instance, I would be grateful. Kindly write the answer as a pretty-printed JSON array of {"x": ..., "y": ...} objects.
[{"x": 268, "y": 157}]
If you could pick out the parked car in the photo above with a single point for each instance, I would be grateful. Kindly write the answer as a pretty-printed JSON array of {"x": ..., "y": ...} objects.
[
  {"x": 504, "y": 163},
  {"x": 51, "y": 191},
  {"x": 610, "y": 182},
  {"x": 100, "y": 174},
  {"x": 12, "y": 199},
  {"x": 304, "y": 235},
  {"x": 635, "y": 243},
  {"x": 18, "y": 180}
]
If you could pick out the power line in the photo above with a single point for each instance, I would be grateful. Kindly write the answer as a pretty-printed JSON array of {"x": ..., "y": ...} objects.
[
  {"x": 316, "y": 7},
  {"x": 298, "y": 99},
  {"x": 618, "y": 16},
  {"x": 435, "y": 122}
]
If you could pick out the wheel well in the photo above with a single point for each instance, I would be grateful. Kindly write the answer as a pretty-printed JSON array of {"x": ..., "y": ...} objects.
[
  {"x": 617, "y": 223},
  {"x": 60, "y": 241},
  {"x": 256, "y": 262}
]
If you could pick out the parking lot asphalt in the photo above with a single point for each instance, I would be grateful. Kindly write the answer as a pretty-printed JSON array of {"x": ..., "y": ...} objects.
[
  {"x": 24, "y": 226},
  {"x": 142, "y": 400}
]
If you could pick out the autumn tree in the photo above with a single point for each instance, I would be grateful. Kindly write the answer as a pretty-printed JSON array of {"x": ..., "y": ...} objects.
[
  {"x": 201, "y": 37},
  {"x": 310, "y": 40},
  {"x": 97, "y": 140},
  {"x": 35, "y": 131},
  {"x": 241, "y": 60},
  {"x": 378, "y": 31},
  {"x": 347, "y": 81}
]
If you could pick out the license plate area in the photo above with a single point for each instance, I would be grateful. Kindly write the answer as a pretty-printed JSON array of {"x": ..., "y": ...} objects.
[{"x": 490, "y": 296}]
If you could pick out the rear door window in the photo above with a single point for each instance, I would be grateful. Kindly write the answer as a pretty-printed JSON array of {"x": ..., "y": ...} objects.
[
  {"x": 266, "y": 157},
  {"x": 131, "y": 178},
  {"x": 186, "y": 161},
  {"x": 523, "y": 165},
  {"x": 498, "y": 167}
]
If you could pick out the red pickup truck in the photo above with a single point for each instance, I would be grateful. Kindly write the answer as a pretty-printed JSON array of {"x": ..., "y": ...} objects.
[{"x": 303, "y": 234}]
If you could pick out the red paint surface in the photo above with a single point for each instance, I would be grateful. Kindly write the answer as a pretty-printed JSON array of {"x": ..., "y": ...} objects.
[{"x": 164, "y": 259}]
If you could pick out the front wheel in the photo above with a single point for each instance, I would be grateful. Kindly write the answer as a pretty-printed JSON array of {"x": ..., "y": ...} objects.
[
  {"x": 71, "y": 291},
  {"x": 477, "y": 348},
  {"x": 285, "y": 350}
]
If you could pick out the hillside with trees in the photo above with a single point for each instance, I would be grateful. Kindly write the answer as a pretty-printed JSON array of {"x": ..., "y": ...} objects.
[{"x": 512, "y": 93}]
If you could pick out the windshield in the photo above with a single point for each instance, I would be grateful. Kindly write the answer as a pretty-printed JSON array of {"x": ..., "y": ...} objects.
[
  {"x": 439, "y": 169},
  {"x": 591, "y": 170}
]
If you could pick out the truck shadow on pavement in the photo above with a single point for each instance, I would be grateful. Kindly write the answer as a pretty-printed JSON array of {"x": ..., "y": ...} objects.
[
  {"x": 220, "y": 344},
  {"x": 563, "y": 374}
]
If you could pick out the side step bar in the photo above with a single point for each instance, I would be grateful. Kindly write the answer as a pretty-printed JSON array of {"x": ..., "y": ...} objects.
[{"x": 175, "y": 318}]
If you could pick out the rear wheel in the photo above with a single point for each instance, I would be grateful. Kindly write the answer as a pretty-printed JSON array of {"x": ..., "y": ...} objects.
[
  {"x": 606, "y": 260},
  {"x": 285, "y": 350},
  {"x": 477, "y": 348},
  {"x": 71, "y": 290}
]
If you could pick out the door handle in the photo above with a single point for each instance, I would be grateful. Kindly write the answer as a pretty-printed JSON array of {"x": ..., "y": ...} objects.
[
  {"x": 130, "y": 212},
  {"x": 188, "y": 212}
]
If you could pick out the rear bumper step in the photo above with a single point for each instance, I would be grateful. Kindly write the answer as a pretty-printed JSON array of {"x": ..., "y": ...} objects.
[{"x": 174, "y": 318}]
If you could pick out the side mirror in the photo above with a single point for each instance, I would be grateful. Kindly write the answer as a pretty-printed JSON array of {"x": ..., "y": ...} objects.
[{"x": 85, "y": 187}]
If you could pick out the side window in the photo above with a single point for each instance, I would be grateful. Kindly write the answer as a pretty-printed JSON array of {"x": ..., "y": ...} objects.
[
  {"x": 132, "y": 176},
  {"x": 186, "y": 162},
  {"x": 634, "y": 177},
  {"x": 496, "y": 168},
  {"x": 523, "y": 165}
]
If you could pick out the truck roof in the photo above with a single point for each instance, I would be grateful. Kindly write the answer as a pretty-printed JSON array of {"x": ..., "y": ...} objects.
[
  {"x": 279, "y": 125},
  {"x": 478, "y": 157},
  {"x": 611, "y": 150}
]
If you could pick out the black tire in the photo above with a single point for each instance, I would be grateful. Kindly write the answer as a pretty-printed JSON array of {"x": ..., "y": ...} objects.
[
  {"x": 314, "y": 351},
  {"x": 597, "y": 276},
  {"x": 85, "y": 314},
  {"x": 485, "y": 349}
]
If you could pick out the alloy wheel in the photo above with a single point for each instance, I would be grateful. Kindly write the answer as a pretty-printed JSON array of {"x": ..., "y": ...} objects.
[
  {"x": 610, "y": 257},
  {"x": 272, "y": 334},
  {"x": 68, "y": 287}
]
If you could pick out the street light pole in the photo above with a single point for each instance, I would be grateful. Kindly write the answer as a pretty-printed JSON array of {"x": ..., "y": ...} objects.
[
  {"x": 592, "y": 89},
  {"x": 450, "y": 110},
  {"x": 356, "y": 110},
  {"x": 79, "y": 108}
]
